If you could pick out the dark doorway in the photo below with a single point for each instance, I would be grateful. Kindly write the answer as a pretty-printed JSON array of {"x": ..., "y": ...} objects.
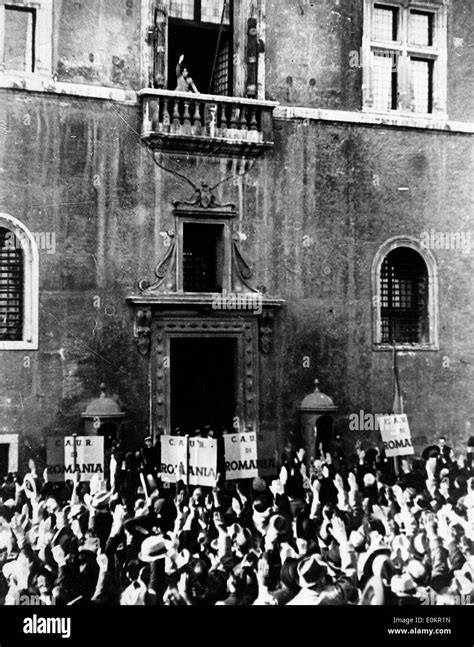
[
  {"x": 4, "y": 451},
  {"x": 203, "y": 383},
  {"x": 109, "y": 431},
  {"x": 324, "y": 433}
]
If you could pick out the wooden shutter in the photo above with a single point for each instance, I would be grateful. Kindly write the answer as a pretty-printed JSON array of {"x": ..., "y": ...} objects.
[
  {"x": 252, "y": 58},
  {"x": 160, "y": 43}
]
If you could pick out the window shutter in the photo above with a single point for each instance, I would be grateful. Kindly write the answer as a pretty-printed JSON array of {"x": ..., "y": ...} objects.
[
  {"x": 160, "y": 43},
  {"x": 252, "y": 58}
]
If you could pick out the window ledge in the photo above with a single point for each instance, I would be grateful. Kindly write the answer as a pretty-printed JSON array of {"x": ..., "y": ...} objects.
[
  {"x": 406, "y": 348},
  {"x": 46, "y": 84},
  {"x": 196, "y": 299},
  {"x": 18, "y": 345},
  {"x": 438, "y": 123}
]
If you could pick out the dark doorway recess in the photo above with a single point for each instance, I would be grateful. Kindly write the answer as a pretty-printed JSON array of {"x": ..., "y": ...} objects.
[
  {"x": 324, "y": 427},
  {"x": 4, "y": 450},
  {"x": 203, "y": 383}
]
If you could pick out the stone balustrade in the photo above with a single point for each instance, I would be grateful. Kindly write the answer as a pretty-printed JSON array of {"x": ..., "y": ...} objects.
[{"x": 204, "y": 123}]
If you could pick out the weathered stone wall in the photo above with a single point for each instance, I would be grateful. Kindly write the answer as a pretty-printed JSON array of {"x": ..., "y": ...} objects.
[
  {"x": 98, "y": 43},
  {"x": 314, "y": 212},
  {"x": 311, "y": 49}
]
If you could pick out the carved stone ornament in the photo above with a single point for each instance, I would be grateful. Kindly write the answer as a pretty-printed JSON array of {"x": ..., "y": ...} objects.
[
  {"x": 203, "y": 198},
  {"x": 164, "y": 269},
  {"x": 266, "y": 330},
  {"x": 142, "y": 331}
]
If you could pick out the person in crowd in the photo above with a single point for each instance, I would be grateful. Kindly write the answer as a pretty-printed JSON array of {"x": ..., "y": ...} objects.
[{"x": 342, "y": 529}]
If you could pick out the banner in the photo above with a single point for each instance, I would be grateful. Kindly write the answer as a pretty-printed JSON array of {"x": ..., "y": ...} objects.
[
  {"x": 241, "y": 456},
  {"x": 202, "y": 461},
  {"x": 192, "y": 460},
  {"x": 396, "y": 435},
  {"x": 64, "y": 457}
]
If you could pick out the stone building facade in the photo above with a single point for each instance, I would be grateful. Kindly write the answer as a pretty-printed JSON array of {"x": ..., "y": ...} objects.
[{"x": 207, "y": 256}]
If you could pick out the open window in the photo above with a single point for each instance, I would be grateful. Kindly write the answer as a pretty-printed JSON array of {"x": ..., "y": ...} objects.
[
  {"x": 201, "y": 31},
  {"x": 219, "y": 40}
]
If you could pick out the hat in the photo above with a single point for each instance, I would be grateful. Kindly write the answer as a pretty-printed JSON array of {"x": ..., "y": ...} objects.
[
  {"x": 259, "y": 485},
  {"x": 279, "y": 523},
  {"x": 136, "y": 526},
  {"x": 369, "y": 479},
  {"x": 420, "y": 543},
  {"x": 367, "y": 561},
  {"x": 9, "y": 569},
  {"x": 311, "y": 571},
  {"x": 289, "y": 573},
  {"x": 417, "y": 571},
  {"x": 356, "y": 539},
  {"x": 153, "y": 548},
  {"x": 403, "y": 586}
]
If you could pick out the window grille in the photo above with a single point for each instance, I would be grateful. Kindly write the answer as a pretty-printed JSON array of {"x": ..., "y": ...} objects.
[
  {"x": 11, "y": 287},
  {"x": 404, "y": 297},
  {"x": 202, "y": 258}
]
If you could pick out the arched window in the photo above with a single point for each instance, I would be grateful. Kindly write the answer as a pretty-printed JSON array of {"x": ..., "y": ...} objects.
[
  {"x": 18, "y": 286},
  {"x": 405, "y": 296}
]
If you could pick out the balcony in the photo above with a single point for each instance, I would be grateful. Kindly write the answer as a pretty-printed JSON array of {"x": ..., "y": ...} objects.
[{"x": 205, "y": 124}]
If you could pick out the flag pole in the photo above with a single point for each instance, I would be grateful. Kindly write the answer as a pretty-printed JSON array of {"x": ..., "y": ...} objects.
[
  {"x": 397, "y": 406},
  {"x": 187, "y": 465}
]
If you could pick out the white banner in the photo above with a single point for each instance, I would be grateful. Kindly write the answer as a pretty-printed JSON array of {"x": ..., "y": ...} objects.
[
  {"x": 66, "y": 456},
  {"x": 396, "y": 435},
  {"x": 200, "y": 469},
  {"x": 241, "y": 456}
]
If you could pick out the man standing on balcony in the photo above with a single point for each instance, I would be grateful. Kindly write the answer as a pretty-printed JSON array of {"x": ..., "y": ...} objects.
[{"x": 185, "y": 82}]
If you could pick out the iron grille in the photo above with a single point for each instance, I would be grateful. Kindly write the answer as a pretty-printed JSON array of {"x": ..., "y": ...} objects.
[
  {"x": 202, "y": 258},
  {"x": 404, "y": 298},
  {"x": 11, "y": 287},
  {"x": 221, "y": 74}
]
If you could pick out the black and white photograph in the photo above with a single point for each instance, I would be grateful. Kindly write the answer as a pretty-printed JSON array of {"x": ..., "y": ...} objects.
[{"x": 236, "y": 322}]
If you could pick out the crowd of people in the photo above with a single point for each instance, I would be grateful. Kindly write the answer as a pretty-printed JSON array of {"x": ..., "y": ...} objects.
[{"x": 342, "y": 529}]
